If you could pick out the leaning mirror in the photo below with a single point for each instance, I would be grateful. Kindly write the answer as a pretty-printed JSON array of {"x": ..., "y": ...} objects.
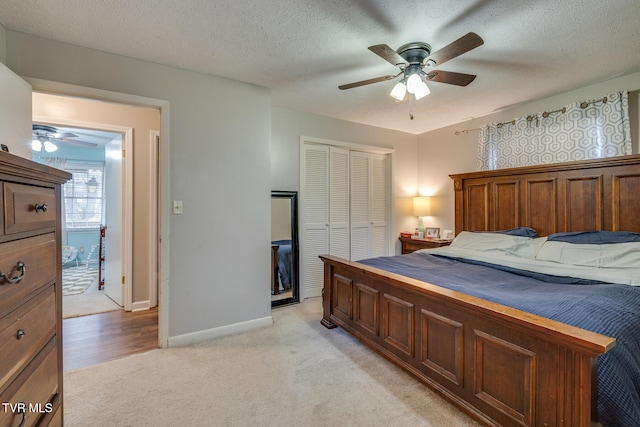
[{"x": 284, "y": 248}]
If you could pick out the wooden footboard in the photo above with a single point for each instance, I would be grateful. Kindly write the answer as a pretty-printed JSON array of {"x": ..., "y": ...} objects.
[{"x": 500, "y": 365}]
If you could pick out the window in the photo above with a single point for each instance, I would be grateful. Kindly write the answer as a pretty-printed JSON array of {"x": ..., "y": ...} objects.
[{"x": 83, "y": 196}]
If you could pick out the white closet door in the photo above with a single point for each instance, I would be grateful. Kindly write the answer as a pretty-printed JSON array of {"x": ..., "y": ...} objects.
[
  {"x": 339, "y": 202},
  {"x": 360, "y": 204},
  {"x": 345, "y": 209},
  {"x": 380, "y": 204},
  {"x": 314, "y": 218}
]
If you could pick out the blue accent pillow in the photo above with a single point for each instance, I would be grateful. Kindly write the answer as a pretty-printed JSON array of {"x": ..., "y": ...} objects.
[
  {"x": 517, "y": 231},
  {"x": 595, "y": 237}
]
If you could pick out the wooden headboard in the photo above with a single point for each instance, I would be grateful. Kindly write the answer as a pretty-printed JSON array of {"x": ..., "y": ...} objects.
[{"x": 601, "y": 194}]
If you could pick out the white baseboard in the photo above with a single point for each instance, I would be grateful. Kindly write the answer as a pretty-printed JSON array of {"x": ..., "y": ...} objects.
[
  {"x": 140, "y": 305},
  {"x": 194, "y": 337}
]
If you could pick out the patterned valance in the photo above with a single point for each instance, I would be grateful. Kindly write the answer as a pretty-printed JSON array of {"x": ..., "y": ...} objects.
[{"x": 584, "y": 130}]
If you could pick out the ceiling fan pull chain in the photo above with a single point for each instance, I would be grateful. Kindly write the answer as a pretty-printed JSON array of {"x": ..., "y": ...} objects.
[{"x": 411, "y": 99}]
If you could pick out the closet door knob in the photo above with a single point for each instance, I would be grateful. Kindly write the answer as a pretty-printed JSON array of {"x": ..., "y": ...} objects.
[{"x": 20, "y": 334}]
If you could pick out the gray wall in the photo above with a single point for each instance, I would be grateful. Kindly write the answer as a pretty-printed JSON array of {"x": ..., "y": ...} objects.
[
  {"x": 3, "y": 47},
  {"x": 219, "y": 166},
  {"x": 289, "y": 125},
  {"x": 229, "y": 148},
  {"x": 442, "y": 152}
]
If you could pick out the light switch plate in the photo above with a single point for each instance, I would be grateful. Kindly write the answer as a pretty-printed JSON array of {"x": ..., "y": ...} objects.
[{"x": 177, "y": 207}]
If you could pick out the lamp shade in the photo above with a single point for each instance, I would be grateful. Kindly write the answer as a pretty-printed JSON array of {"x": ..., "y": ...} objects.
[
  {"x": 414, "y": 81},
  {"x": 399, "y": 91},
  {"x": 421, "y": 206},
  {"x": 49, "y": 146},
  {"x": 421, "y": 91}
]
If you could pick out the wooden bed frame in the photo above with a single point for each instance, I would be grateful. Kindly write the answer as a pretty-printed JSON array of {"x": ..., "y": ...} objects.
[{"x": 500, "y": 365}]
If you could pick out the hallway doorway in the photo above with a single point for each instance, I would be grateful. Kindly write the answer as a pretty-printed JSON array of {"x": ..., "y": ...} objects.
[{"x": 88, "y": 118}]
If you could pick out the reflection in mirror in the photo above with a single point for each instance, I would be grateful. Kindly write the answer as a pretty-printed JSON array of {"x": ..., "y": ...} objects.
[{"x": 284, "y": 248}]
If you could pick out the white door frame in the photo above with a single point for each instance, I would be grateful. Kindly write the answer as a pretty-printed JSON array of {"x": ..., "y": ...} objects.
[
  {"x": 127, "y": 193},
  {"x": 163, "y": 216},
  {"x": 154, "y": 160}
]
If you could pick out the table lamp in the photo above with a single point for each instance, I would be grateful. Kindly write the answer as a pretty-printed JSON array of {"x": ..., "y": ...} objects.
[{"x": 421, "y": 207}]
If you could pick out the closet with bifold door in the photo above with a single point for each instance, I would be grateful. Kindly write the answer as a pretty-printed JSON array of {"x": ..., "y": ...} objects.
[{"x": 345, "y": 207}]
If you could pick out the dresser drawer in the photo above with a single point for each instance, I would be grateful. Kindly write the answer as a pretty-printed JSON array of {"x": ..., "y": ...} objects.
[
  {"x": 28, "y": 208},
  {"x": 39, "y": 256},
  {"x": 24, "y": 332},
  {"x": 412, "y": 247},
  {"x": 56, "y": 419},
  {"x": 36, "y": 387}
]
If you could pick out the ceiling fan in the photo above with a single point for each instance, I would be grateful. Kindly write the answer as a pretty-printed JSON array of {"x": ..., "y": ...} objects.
[
  {"x": 44, "y": 137},
  {"x": 416, "y": 63}
]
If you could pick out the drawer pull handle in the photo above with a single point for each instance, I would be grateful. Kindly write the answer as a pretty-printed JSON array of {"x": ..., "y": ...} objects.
[
  {"x": 22, "y": 267},
  {"x": 40, "y": 207},
  {"x": 20, "y": 334}
]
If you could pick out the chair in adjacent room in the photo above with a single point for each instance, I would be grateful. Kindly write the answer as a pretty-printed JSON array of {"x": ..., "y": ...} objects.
[{"x": 70, "y": 254}]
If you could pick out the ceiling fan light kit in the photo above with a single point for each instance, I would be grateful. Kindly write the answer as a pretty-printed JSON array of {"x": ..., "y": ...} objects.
[
  {"x": 42, "y": 142},
  {"x": 42, "y": 135},
  {"x": 399, "y": 90},
  {"x": 413, "y": 58},
  {"x": 421, "y": 91}
]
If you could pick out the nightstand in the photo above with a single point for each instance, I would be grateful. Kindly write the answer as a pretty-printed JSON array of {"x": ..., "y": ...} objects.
[{"x": 410, "y": 245}]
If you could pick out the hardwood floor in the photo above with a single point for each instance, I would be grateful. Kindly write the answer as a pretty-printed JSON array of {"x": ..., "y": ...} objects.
[{"x": 98, "y": 338}]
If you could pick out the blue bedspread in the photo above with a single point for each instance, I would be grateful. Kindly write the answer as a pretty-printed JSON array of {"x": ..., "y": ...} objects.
[{"x": 609, "y": 309}]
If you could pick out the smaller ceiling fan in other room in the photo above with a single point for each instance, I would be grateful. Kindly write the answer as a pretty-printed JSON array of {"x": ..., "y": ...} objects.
[
  {"x": 417, "y": 66},
  {"x": 45, "y": 137}
]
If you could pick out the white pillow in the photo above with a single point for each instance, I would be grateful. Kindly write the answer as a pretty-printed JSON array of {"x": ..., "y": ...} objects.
[
  {"x": 614, "y": 255},
  {"x": 520, "y": 246}
]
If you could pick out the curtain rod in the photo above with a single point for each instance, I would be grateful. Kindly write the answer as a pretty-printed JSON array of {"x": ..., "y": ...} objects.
[
  {"x": 585, "y": 104},
  {"x": 545, "y": 114},
  {"x": 458, "y": 132},
  {"x": 511, "y": 122}
]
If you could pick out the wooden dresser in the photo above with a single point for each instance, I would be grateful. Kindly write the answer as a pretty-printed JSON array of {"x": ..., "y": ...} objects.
[{"x": 30, "y": 293}]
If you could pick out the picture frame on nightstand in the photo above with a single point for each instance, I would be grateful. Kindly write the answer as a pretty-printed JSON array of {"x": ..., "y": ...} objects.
[
  {"x": 447, "y": 235},
  {"x": 432, "y": 232}
]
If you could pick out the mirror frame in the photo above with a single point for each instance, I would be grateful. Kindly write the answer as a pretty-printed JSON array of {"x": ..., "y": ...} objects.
[{"x": 295, "y": 251}]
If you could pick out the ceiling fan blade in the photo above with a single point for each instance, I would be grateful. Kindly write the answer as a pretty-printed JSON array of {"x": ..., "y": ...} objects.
[
  {"x": 450, "y": 77},
  {"x": 388, "y": 54},
  {"x": 462, "y": 45},
  {"x": 367, "y": 82},
  {"x": 59, "y": 135},
  {"x": 51, "y": 132},
  {"x": 77, "y": 142}
]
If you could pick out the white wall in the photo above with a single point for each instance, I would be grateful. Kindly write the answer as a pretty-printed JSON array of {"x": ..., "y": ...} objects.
[
  {"x": 15, "y": 106},
  {"x": 219, "y": 166},
  {"x": 289, "y": 125},
  {"x": 3, "y": 48},
  {"x": 15, "y": 113},
  {"x": 441, "y": 152}
]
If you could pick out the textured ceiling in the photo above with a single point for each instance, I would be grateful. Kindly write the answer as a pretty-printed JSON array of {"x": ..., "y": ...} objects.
[{"x": 303, "y": 49}]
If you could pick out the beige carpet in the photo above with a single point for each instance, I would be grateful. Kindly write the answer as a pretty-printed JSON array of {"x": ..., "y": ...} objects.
[
  {"x": 91, "y": 301},
  {"x": 294, "y": 373}
]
